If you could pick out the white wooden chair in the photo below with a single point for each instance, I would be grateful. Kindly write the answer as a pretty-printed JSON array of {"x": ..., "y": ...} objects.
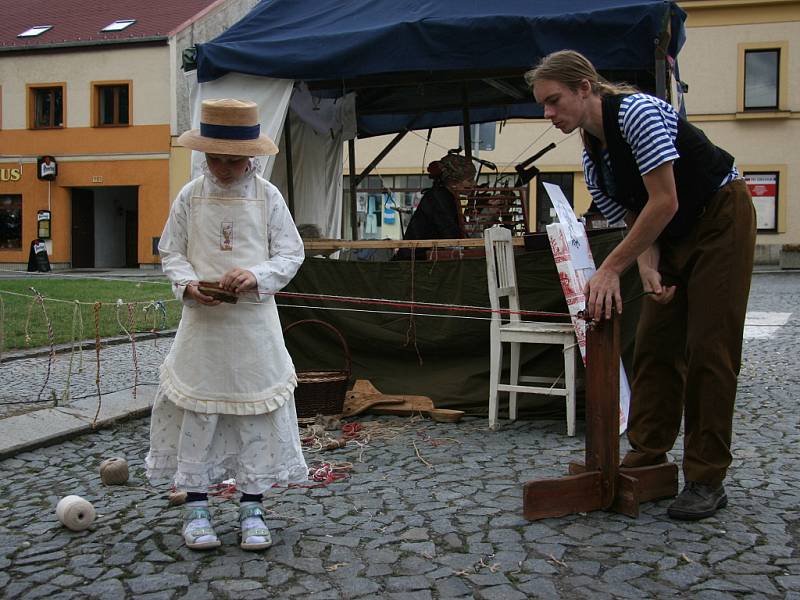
[{"x": 502, "y": 278}]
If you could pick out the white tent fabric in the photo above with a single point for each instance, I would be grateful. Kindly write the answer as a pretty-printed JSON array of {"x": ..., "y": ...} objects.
[
  {"x": 271, "y": 95},
  {"x": 318, "y": 131},
  {"x": 317, "y": 177}
]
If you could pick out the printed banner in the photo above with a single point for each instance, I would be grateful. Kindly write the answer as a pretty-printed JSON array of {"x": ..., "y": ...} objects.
[
  {"x": 764, "y": 190},
  {"x": 573, "y": 280}
]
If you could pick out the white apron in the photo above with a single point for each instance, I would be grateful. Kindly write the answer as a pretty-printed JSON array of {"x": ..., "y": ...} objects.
[{"x": 229, "y": 358}]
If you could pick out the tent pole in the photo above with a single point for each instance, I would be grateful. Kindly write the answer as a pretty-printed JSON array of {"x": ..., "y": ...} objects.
[
  {"x": 351, "y": 155},
  {"x": 356, "y": 179},
  {"x": 662, "y": 43},
  {"x": 368, "y": 169},
  {"x": 467, "y": 125},
  {"x": 287, "y": 143}
]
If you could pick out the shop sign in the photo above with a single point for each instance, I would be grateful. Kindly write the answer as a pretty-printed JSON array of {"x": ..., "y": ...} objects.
[
  {"x": 764, "y": 190},
  {"x": 14, "y": 174},
  {"x": 47, "y": 168}
]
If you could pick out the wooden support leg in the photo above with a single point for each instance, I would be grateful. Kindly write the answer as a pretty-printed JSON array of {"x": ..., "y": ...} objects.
[
  {"x": 599, "y": 482},
  {"x": 514, "y": 372},
  {"x": 602, "y": 404},
  {"x": 656, "y": 482},
  {"x": 495, "y": 369},
  {"x": 559, "y": 497}
]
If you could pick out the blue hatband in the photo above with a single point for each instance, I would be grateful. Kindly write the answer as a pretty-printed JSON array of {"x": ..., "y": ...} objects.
[{"x": 230, "y": 132}]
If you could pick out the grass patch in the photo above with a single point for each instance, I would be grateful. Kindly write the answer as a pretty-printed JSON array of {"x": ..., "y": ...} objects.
[{"x": 20, "y": 312}]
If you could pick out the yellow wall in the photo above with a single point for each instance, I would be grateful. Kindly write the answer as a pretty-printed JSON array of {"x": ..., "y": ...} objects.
[
  {"x": 149, "y": 176},
  {"x": 711, "y": 62},
  {"x": 180, "y": 169},
  {"x": 89, "y": 157},
  {"x": 137, "y": 155}
]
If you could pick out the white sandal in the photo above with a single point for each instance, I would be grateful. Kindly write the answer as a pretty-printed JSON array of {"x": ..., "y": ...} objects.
[
  {"x": 254, "y": 532},
  {"x": 198, "y": 532}
]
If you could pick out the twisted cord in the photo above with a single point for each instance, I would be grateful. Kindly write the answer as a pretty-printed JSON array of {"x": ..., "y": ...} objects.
[{"x": 97, "y": 307}]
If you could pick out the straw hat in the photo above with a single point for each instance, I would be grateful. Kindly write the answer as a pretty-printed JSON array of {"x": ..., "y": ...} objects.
[{"x": 229, "y": 127}]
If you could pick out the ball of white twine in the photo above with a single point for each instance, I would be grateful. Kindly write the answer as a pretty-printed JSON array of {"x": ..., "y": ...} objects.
[
  {"x": 75, "y": 513},
  {"x": 114, "y": 471}
]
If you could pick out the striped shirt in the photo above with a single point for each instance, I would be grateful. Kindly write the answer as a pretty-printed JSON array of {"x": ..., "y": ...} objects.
[{"x": 650, "y": 126}]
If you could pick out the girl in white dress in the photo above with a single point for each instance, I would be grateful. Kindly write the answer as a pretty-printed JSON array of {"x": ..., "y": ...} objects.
[{"x": 225, "y": 404}]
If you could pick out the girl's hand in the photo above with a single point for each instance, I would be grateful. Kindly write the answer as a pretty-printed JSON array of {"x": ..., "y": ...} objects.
[
  {"x": 193, "y": 293},
  {"x": 238, "y": 280},
  {"x": 651, "y": 282}
]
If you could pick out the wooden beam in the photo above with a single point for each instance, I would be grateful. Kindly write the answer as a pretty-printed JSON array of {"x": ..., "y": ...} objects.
[
  {"x": 600, "y": 483},
  {"x": 602, "y": 403},
  {"x": 545, "y": 498},
  {"x": 467, "y": 125},
  {"x": 337, "y": 244},
  {"x": 287, "y": 144},
  {"x": 351, "y": 156},
  {"x": 381, "y": 155}
]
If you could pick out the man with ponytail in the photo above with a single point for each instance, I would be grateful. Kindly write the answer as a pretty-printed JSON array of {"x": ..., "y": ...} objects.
[{"x": 692, "y": 233}]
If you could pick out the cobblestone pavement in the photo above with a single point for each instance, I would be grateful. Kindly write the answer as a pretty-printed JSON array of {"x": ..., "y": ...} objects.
[
  {"x": 32, "y": 383},
  {"x": 430, "y": 510}
]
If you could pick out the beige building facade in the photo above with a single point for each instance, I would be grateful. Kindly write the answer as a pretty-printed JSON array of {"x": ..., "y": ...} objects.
[
  {"x": 106, "y": 111},
  {"x": 740, "y": 62}
]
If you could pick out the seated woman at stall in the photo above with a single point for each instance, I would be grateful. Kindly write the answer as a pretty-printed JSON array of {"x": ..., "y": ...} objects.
[{"x": 438, "y": 215}]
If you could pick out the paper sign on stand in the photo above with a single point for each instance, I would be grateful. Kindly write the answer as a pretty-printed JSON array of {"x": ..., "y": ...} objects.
[{"x": 575, "y": 265}]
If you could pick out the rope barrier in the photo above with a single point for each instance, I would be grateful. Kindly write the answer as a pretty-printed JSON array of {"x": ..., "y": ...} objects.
[
  {"x": 97, "y": 307},
  {"x": 412, "y": 305},
  {"x": 77, "y": 316},
  {"x": 38, "y": 299}
]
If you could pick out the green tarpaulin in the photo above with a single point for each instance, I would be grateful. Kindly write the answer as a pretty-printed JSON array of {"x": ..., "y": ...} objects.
[{"x": 445, "y": 357}]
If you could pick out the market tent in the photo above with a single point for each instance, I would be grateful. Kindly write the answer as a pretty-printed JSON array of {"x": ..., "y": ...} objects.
[
  {"x": 403, "y": 58},
  {"x": 370, "y": 67}
]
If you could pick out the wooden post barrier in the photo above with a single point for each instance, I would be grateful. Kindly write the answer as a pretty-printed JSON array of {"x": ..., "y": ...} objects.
[{"x": 599, "y": 483}]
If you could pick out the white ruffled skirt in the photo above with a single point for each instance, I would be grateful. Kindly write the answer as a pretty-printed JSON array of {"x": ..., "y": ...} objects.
[{"x": 193, "y": 450}]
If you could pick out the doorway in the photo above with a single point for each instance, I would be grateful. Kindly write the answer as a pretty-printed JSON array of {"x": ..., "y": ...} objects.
[
  {"x": 105, "y": 227},
  {"x": 82, "y": 228}
]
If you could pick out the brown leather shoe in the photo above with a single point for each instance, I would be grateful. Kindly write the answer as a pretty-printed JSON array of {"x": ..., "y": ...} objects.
[{"x": 697, "y": 501}]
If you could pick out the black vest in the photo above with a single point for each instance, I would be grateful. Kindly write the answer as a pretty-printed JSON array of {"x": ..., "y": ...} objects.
[{"x": 698, "y": 172}]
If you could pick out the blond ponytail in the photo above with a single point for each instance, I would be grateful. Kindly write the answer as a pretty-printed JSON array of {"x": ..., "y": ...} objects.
[{"x": 571, "y": 68}]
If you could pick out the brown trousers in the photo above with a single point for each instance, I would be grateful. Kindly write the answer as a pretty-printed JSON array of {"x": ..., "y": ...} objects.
[{"x": 688, "y": 352}]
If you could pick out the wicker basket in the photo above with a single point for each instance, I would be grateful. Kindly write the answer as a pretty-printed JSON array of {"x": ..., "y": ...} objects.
[{"x": 321, "y": 392}]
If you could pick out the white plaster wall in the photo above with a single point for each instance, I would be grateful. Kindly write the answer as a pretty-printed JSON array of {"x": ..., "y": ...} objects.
[
  {"x": 146, "y": 67},
  {"x": 203, "y": 30},
  {"x": 709, "y": 63}
]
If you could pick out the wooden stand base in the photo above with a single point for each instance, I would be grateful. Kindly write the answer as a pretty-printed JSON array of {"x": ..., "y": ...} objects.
[{"x": 600, "y": 483}]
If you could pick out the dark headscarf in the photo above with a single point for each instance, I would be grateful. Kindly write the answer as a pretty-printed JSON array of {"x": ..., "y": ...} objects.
[{"x": 451, "y": 168}]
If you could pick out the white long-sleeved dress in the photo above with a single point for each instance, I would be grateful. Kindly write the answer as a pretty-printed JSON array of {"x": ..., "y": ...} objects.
[{"x": 225, "y": 405}]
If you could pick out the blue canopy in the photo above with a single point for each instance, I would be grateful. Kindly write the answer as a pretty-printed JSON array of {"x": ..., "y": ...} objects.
[{"x": 416, "y": 63}]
